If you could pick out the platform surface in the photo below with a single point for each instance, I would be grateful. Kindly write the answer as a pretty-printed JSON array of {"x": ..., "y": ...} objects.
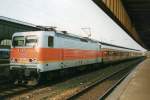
[{"x": 136, "y": 86}]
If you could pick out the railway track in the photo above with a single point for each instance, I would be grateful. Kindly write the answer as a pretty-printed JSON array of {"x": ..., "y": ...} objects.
[
  {"x": 60, "y": 88},
  {"x": 109, "y": 91},
  {"x": 84, "y": 93}
]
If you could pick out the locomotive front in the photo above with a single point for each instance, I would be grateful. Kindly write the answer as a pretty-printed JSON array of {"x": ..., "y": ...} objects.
[{"x": 24, "y": 58}]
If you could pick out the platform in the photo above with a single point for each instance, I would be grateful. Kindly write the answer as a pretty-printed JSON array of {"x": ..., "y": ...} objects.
[{"x": 136, "y": 86}]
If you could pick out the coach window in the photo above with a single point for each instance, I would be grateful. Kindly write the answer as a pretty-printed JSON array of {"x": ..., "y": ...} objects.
[{"x": 50, "y": 41}]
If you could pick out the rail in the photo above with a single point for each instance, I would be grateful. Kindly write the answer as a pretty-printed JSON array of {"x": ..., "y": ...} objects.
[
  {"x": 86, "y": 89},
  {"x": 110, "y": 90}
]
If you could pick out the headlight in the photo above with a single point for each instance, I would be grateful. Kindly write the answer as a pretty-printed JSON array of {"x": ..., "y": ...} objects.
[
  {"x": 12, "y": 60},
  {"x": 33, "y": 61}
]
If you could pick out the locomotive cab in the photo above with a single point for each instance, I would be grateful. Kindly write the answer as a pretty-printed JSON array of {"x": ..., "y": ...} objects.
[{"x": 26, "y": 55}]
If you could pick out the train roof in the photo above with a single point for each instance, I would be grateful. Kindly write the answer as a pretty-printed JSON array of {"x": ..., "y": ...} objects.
[
  {"x": 85, "y": 39},
  {"x": 112, "y": 45},
  {"x": 65, "y": 33},
  {"x": 102, "y": 43},
  {"x": 57, "y": 33}
]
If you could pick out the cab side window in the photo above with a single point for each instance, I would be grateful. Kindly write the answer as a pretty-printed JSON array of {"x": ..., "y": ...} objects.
[{"x": 50, "y": 41}]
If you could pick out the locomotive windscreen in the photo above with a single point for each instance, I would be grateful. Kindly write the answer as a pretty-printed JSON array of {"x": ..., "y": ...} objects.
[
  {"x": 31, "y": 41},
  {"x": 18, "y": 41},
  {"x": 22, "y": 41}
]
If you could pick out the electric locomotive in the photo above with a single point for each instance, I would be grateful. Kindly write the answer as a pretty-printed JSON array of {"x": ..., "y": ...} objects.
[{"x": 34, "y": 53}]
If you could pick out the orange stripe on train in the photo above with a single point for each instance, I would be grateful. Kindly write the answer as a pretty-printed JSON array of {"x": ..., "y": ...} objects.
[{"x": 54, "y": 54}]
